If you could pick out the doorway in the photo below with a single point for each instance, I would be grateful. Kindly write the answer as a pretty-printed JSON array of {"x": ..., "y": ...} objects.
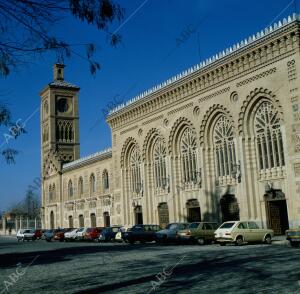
[
  {"x": 138, "y": 215},
  {"x": 71, "y": 225},
  {"x": 229, "y": 208},
  {"x": 163, "y": 214},
  {"x": 93, "y": 220},
  {"x": 277, "y": 214},
  {"x": 81, "y": 221},
  {"x": 106, "y": 218},
  {"x": 193, "y": 211},
  {"x": 51, "y": 220}
]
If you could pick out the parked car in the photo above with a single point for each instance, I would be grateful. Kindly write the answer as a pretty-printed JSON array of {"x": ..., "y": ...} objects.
[
  {"x": 108, "y": 234},
  {"x": 70, "y": 235},
  {"x": 240, "y": 232},
  {"x": 48, "y": 235},
  {"x": 198, "y": 232},
  {"x": 25, "y": 234},
  {"x": 141, "y": 233},
  {"x": 170, "y": 233},
  {"x": 56, "y": 234},
  {"x": 38, "y": 234},
  {"x": 293, "y": 236},
  {"x": 92, "y": 234},
  {"x": 59, "y": 234},
  {"x": 80, "y": 234}
]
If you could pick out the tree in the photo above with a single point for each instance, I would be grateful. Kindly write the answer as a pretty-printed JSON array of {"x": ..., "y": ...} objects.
[
  {"x": 29, "y": 206},
  {"x": 25, "y": 34}
]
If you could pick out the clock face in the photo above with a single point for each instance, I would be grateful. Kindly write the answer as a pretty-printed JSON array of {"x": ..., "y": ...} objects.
[{"x": 62, "y": 105}]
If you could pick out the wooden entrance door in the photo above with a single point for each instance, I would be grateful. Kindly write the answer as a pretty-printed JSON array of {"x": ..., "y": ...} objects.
[
  {"x": 52, "y": 220},
  {"x": 193, "y": 211},
  {"x": 229, "y": 208},
  {"x": 277, "y": 216},
  {"x": 138, "y": 215},
  {"x": 106, "y": 219}
]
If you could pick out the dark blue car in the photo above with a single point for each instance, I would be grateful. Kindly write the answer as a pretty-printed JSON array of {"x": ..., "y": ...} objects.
[{"x": 108, "y": 234}]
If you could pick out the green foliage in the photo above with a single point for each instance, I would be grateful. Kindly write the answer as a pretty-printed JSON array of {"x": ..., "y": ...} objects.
[{"x": 25, "y": 33}]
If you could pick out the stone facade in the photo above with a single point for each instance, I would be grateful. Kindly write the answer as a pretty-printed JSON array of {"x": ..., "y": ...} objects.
[{"x": 217, "y": 142}]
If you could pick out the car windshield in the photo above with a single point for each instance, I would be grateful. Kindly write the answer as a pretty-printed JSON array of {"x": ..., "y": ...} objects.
[
  {"x": 172, "y": 227},
  {"x": 28, "y": 231},
  {"x": 137, "y": 228},
  {"x": 227, "y": 225},
  {"x": 194, "y": 225}
]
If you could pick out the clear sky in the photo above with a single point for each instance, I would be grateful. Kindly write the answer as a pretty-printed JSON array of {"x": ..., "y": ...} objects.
[{"x": 163, "y": 38}]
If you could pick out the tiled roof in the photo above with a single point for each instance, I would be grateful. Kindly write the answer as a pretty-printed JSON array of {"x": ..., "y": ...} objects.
[
  {"x": 61, "y": 83},
  {"x": 202, "y": 65},
  {"x": 88, "y": 159}
]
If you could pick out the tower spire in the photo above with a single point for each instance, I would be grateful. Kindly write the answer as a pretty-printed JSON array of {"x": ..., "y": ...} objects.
[{"x": 58, "y": 71}]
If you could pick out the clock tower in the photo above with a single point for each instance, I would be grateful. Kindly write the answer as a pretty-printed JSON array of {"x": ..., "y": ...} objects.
[{"x": 59, "y": 120}]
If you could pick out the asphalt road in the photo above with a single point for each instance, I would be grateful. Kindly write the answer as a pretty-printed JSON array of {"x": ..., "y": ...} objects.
[{"x": 42, "y": 267}]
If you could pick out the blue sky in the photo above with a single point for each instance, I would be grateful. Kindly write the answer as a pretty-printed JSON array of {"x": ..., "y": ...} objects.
[{"x": 160, "y": 40}]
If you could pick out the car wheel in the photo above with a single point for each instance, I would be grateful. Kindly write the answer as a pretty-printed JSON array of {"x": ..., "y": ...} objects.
[
  {"x": 268, "y": 239},
  {"x": 222, "y": 243},
  {"x": 294, "y": 244},
  {"x": 200, "y": 241},
  {"x": 239, "y": 241},
  {"x": 131, "y": 242}
]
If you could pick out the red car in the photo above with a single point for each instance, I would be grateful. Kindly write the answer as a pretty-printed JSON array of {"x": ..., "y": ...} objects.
[
  {"x": 92, "y": 234},
  {"x": 38, "y": 234},
  {"x": 59, "y": 235}
]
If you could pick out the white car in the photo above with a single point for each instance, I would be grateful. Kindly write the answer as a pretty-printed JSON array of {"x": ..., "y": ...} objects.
[
  {"x": 25, "y": 234},
  {"x": 71, "y": 235},
  {"x": 241, "y": 232},
  {"x": 79, "y": 235}
]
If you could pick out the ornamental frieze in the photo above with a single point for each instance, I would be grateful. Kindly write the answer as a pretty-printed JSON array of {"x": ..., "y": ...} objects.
[{"x": 213, "y": 76}]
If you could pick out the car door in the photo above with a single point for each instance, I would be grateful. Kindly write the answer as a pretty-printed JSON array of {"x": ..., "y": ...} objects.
[
  {"x": 256, "y": 234},
  {"x": 209, "y": 231},
  {"x": 196, "y": 230},
  {"x": 243, "y": 230}
]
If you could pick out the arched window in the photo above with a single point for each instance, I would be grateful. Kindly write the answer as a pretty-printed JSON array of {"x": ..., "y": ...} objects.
[
  {"x": 105, "y": 180},
  {"x": 268, "y": 137},
  {"x": 135, "y": 171},
  {"x": 80, "y": 187},
  {"x": 50, "y": 194},
  {"x": 93, "y": 220},
  {"x": 188, "y": 148},
  {"x": 81, "y": 220},
  {"x": 223, "y": 137},
  {"x": 70, "y": 189},
  {"x": 92, "y": 184},
  {"x": 71, "y": 224},
  {"x": 159, "y": 164}
]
